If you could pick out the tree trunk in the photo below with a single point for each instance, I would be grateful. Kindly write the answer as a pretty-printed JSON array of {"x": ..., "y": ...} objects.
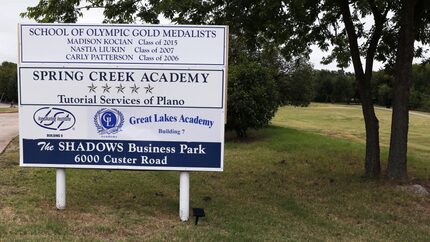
[
  {"x": 397, "y": 158},
  {"x": 372, "y": 161}
]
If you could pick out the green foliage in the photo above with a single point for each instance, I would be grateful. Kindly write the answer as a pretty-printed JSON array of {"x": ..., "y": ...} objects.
[
  {"x": 8, "y": 82},
  {"x": 323, "y": 86},
  {"x": 415, "y": 99},
  {"x": 334, "y": 87},
  {"x": 260, "y": 81},
  {"x": 382, "y": 83},
  {"x": 420, "y": 92},
  {"x": 47, "y": 11},
  {"x": 344, "y": 88},
  {"x": 425, "y": 104},
  {"x": 295, "y": 87},
  {"x": 385, "y": 95},
  {"x": 252, "y": 97},
  {"x": 339, "y": 87},
  {"x": 291, "y": 25},
  {"x": 294, "y": 77},
  {"x": 68, "y": 11}
]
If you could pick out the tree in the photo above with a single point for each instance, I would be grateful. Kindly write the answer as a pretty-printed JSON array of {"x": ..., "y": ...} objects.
[
  {"x": 320, "y": 22},
  {"x": 420, "y": 92},
  {"x": 334, "y": 86},
  {"x": 384, "y": 95},
  {"x": 293, "y": 25},
  {"x": 343, "y": 88},
  {"x": 413, "y": 24},
  {"x": 295, "y": 84},
  {"x": 324, "y": 85},
  {"x": 253, "y": 97},
  {"x": 8, "y": 82}
]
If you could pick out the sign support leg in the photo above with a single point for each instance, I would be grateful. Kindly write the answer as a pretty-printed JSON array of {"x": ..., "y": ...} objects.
[
  {"x": 61, "y": 189},
  {"x": 184, "y": 196}
]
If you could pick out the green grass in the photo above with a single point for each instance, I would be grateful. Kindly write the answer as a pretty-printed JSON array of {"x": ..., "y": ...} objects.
[
  {"x": 8, "y": 110},
  {"x": 346, "y": 121},
  {"x": 282, "y": 184}
]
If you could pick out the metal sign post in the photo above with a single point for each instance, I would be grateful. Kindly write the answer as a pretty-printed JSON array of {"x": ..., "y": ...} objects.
[
  {"x": 60, "y": 189},
  {"x": 184, "y": 196}
]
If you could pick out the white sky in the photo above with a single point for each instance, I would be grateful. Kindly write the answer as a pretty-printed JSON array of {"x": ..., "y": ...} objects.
[{"x": 9, "y": 17}]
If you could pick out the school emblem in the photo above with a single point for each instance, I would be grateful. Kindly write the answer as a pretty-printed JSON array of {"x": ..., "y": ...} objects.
[{"x": 108, "y": 121}]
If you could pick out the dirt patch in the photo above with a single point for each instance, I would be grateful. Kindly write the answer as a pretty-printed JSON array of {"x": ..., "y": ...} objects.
[{"x": 7, "y": 214}]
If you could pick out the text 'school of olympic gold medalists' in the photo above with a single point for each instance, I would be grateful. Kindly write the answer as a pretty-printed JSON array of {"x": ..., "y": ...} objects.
[{"x": 130, "y": 44}]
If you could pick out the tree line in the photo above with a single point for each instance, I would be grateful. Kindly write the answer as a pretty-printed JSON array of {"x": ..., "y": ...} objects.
[
  {"x": 339, "y": 87},
  {"x": 256, "y": 89}
]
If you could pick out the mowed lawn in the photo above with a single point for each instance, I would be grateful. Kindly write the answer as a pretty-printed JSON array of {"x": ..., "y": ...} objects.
[
  {"x": 346, "y": 121},
  {"x": 282, "y": 184}
]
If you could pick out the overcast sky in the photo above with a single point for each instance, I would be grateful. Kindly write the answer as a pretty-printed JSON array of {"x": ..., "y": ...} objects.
[{"x": 9, "y": 17}]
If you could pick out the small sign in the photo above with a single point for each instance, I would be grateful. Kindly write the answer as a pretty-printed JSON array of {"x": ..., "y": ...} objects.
[{"x": 144, "y": 97}]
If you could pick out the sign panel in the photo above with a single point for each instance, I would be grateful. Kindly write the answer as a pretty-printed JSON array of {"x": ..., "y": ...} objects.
[
  {"x": 122, "y": 87},
  {"x": 123, "y": 44},
  {"x": 115, "y": 114}
]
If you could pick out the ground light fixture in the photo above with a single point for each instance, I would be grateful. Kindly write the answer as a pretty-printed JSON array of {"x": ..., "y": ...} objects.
[{"x": 198, "y": 212}]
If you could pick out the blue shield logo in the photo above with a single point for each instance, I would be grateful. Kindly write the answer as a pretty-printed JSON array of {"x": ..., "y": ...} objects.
[{"x": 108, "y": 121}]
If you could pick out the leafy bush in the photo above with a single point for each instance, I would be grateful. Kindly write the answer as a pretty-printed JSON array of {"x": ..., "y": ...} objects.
[{"x": 253, "y": 97}]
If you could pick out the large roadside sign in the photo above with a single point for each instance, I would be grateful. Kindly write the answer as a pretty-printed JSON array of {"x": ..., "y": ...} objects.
[{"x": 144, "y": 97}]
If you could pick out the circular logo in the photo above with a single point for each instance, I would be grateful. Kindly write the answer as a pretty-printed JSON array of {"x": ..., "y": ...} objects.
[
  {"x": 108, "y": 121},
  {"x": 54, "y": 118}
]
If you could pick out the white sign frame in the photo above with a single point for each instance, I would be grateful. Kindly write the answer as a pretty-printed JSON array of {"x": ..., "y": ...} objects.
[{"x": 53, "y": 59}]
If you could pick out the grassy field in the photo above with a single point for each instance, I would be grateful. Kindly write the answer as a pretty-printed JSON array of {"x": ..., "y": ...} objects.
[
  {"x": 346, "y": 121},
  {"x": 282, "y": 184}
]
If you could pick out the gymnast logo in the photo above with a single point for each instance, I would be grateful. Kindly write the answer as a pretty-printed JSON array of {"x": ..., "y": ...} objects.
[{"x": 54, "y": 118}]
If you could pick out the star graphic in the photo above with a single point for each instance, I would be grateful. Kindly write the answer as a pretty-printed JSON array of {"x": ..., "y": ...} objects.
[
  {"x": 106, "y": 88},
  {"x": 149, "y": 89},
  {"x": 120, "y": 88},
  {"x": 92, "y": 88},
  {"x": 134, "y": 88}
]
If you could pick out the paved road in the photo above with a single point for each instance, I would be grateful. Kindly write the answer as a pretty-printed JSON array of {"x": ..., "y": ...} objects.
[
  {"x": 426, "y": 115},
  {"x": 421, "y": 114},
  {"x": 8, "y": 128}
]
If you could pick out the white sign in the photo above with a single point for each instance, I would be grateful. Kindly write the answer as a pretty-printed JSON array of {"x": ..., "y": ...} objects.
[
  {"x": 142, "y": 97},
  {"x": 122, "y": 87},
  {"x": 123, "y": 44}
]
